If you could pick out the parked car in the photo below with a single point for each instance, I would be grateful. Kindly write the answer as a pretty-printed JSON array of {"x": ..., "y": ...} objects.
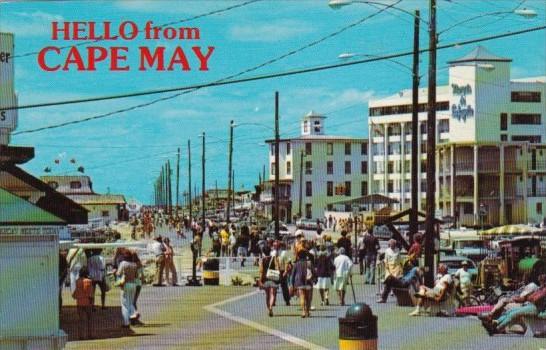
[
  {"x": 283, "y": 230},
  {"x": 306, "y": 224},
  {"x": 382, "y": 232}
]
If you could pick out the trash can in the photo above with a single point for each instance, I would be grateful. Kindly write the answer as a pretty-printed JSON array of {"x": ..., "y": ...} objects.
[
  {"x": 358, "y": 330},
  {"x": 211, "y": 272}
]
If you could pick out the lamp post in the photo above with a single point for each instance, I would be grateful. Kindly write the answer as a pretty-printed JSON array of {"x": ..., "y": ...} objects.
[{"x": 430, "y": 234}]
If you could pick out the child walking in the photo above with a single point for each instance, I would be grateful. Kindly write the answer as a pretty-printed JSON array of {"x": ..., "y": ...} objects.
[{"x": 83, "y": 293}]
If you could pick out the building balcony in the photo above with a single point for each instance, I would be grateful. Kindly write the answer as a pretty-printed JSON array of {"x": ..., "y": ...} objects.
[{"x": 536, "y": 165}]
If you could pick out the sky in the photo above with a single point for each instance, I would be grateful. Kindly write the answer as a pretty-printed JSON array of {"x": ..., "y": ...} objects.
[{"x": 124, "y": 152}]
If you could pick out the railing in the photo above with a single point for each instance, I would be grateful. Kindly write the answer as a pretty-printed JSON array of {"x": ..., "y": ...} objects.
[
  {"x": 488, "y": 165},
  {"x": 536, "y": 165}
]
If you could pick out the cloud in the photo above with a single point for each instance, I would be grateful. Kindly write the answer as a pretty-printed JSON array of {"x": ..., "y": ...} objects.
[
  {"x": 30, "y": 24},
  {"x": 279, "y": 30}
]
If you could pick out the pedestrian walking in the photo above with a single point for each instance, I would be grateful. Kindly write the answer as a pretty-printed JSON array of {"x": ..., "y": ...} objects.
[
  {"x": 269, "y": 278},
  {"x": 170, "y": 269},
  {"x": 343, "y": 265},
  {"x": 127, "y": 273},
  {"x": 323, "y": 269},
  {"x": 83, "y": 293},
  {"x": 138, "y": 281},
  {"x": 345, "y": 243},
  {"x": 303, "y": 277},
  {"x": 158, "y": 250},
  {"x": 371, "y": 247},
  {"x": 96, "y": 266}
]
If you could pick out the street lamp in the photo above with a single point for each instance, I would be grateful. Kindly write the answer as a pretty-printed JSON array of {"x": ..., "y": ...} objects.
[{"x": 431, "y": 110}]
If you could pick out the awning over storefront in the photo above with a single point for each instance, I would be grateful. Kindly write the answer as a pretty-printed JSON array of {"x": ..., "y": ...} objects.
[{"x": 371, "y": 199}]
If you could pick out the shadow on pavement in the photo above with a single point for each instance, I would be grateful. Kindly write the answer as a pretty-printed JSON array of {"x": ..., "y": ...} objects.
[{"x": 106, "y": 323}]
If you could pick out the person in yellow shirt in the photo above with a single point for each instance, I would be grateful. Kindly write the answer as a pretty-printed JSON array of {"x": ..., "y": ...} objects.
[{"x": 224, "y": 241}]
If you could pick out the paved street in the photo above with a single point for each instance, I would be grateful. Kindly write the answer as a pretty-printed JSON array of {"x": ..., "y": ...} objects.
[{"x": 181, "y": 318}]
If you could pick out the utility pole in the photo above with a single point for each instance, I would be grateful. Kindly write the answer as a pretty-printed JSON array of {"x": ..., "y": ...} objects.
[
  {"x": 414, "y": 225},
  {"x": 277, "y": 173},
  {"x": 203, "y": 188},
  {"x": 177, "y": 179},
  {"x": 230, "y": 157},
  {"x": 301, "y": 185},
  {"x": 169, "y": 188},
  {"x": 189, "y": 183},
  {"x": 430, "y": 234},
  {"x": 233, "y": 189}
]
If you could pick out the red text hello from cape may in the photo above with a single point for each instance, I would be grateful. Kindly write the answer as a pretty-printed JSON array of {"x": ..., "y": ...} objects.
[{"x": 115, "y": 58}]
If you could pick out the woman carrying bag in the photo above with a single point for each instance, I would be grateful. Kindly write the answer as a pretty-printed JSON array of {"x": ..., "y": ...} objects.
[{"x": 269, "y": 278}]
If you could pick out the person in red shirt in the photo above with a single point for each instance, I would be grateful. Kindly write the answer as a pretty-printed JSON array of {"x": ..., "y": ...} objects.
[{"x": 83, "y": 293}]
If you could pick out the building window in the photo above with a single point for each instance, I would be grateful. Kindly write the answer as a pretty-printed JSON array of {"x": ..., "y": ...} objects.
[
  {"x": 288, "y": 148},
  {"x": 404, "y": 109},
  {"x": 504, "y": 121},
  {"x": 347, "y": 167},
  {"x": 364, "y": 149},
  {"x": 348, "y": 188},
  {"x": 390, "y": 186},
  {"x": 468, "y": 208},
  {"x": 329, "y": 167},
  {"x": 308, "y": 167},
  {"x": 504, "y": 137},
  {"x": 308, "y": 148},
  {"x": 75, "y": 185},
  {"x": 525, "y": 96},
  {"x": 308, "y": 188},
  {"x": 364, "y": 188},
  {"x": 288, "y": 168},
  {"x": 329, "y": 207},
  {"x": 539, "y": 208},
  {"x": 308, "y": 211},
  {"x": 364, "y": 167},
  {"x": 526, "y": 118},
  {"x": 528, "y": 138},
  {"x": 105, "y": 213},
  {"x": 273, "y": 168},
  {"x": 347, "y": 149},
  {"x": 329, "y": 149},
  {"x": 329, "y": 188},
  {"x": 305, "y": 126}
]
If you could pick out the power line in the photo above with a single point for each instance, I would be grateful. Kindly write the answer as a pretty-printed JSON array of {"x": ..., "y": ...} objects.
[
  {"x": 187, "y": 89},
  {"x": 271, "y": 61},
  {"x": 206, "y": 14}
]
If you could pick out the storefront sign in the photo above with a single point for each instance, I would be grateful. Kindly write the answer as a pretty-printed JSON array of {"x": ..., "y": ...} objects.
[
  {"x": 462, "y": 110},
  {"x": 61, "y": 231},
  {"x": 8, "y": 118}
]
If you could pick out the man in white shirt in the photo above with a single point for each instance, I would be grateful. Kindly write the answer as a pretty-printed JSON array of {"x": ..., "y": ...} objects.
[
  {"x": 343, "y": 265},
  {"x": 97, "y": 273},
  {"x": 157, "y": 248},
  {"x": 465, "y": 279}
]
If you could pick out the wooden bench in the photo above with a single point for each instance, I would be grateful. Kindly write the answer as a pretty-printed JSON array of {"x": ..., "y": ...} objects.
[{"x": 405, "y": 296}]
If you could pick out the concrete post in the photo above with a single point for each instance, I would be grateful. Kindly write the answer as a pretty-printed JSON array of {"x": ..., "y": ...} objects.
[
  {"x": 386, "y": 159},
  {"x": 452, "y": 179},
  {"x": 402, "y": 167},
  {"x": 475, "y": 177},
  {"x": 501, "y": 186},
  {"x": 419, "y": 139}
]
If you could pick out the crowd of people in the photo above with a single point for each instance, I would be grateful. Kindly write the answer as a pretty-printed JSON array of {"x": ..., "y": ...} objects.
[{"x": 306, "y": 264}]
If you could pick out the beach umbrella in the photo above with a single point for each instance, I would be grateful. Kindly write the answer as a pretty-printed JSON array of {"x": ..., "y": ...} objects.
[{"x": 511, "y": 230}]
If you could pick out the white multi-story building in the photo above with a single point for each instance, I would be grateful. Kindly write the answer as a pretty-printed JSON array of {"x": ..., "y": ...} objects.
[
  {"x": 491, "y": 144},
  {"x": 316, "y": 170}
]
